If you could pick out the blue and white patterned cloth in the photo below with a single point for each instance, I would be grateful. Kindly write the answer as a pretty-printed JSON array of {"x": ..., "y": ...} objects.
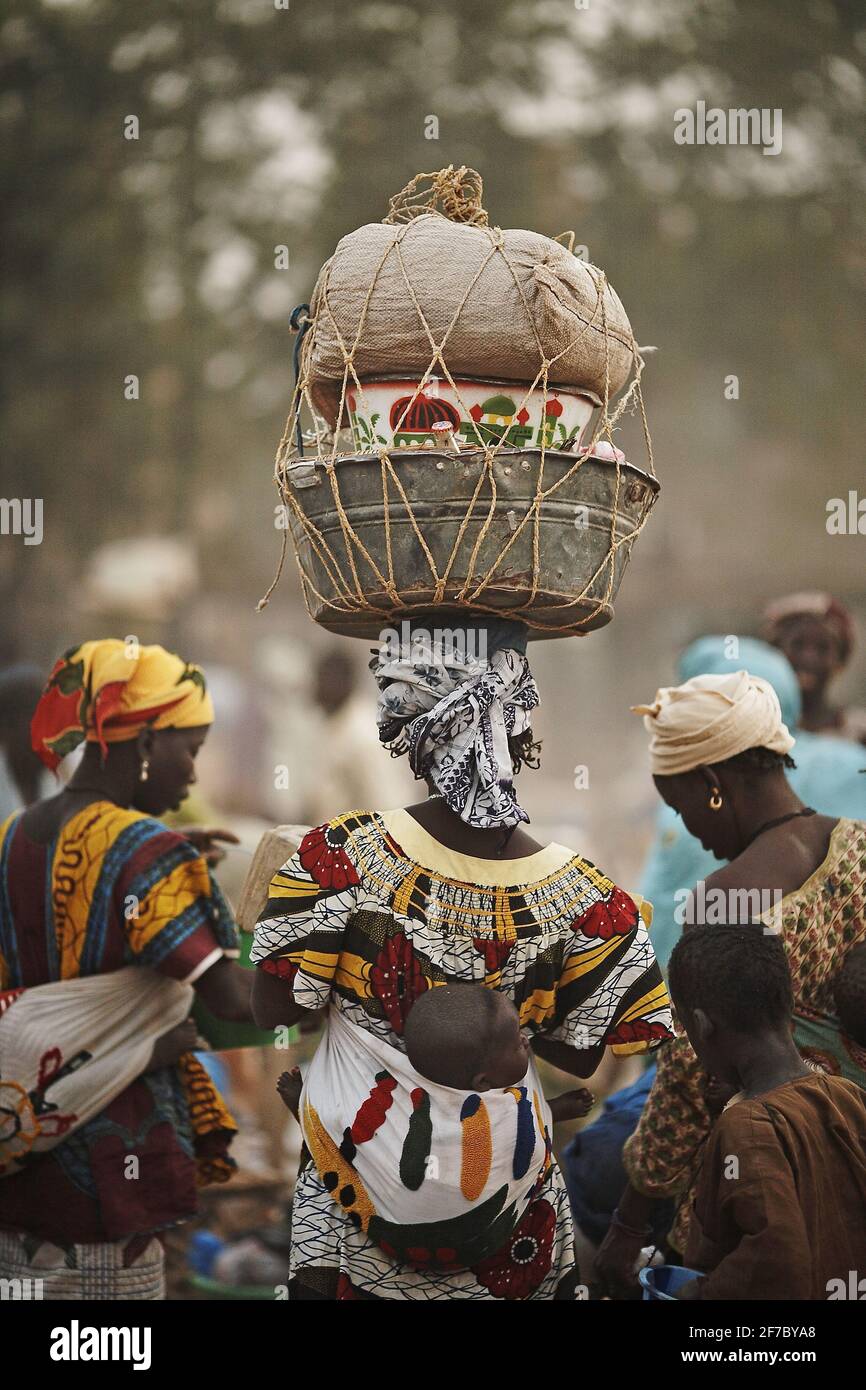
[{"x": 453, "y": 711}]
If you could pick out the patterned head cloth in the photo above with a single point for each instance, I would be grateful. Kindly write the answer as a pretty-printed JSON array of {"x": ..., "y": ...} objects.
[
  {"x": 108, "y": 691},
  {"x": 711, "y": 718},
  {"x": 811, "y": 605},
  {"x": 451, "y": 700}
]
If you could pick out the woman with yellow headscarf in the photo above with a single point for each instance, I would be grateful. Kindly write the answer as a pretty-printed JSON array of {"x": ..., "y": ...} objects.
[{"x": 109, "y": 922}]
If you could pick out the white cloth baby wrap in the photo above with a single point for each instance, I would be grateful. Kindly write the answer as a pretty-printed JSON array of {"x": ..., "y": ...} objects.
[
  {"x": 437, "y": 1177},
  {"x": 68, "y": 1048}
]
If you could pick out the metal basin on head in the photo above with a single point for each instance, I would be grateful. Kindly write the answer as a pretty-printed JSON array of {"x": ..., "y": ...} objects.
[{"x": 557, "y": 567}]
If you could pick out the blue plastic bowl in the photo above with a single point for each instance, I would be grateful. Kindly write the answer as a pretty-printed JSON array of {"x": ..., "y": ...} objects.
[
  {"x": 663, "y": 1282},
  {"x": 202, "y": 1250}
]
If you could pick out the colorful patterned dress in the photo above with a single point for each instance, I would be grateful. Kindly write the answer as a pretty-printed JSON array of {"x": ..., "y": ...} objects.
[
  {"x": 371, "y": 912},
  {"x": 115, "y": 888},
  {"x": 820, "y": 923}
]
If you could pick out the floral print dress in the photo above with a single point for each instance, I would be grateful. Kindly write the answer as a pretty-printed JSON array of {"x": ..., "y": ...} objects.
[{"x": 371, "y": 912}]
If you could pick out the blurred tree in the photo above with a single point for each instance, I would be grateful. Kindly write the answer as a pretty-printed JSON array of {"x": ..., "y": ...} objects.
[{"x": 262, "y": 127}]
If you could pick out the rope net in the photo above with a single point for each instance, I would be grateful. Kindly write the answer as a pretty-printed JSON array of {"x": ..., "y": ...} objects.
[{"x": 357, "y": 586}]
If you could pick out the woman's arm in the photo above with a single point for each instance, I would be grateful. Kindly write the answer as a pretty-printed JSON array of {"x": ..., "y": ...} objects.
[
  {"x": 607, "y": 945},
  {"x": 629, "y": 1231},
  {"x": 225, "y": 990},
  {"x": 274, "y": 1004},
  {"x": 576, "y": 1061},
  {"x": 300, "y": 933},
  {"x": 659, "y": 1158}
]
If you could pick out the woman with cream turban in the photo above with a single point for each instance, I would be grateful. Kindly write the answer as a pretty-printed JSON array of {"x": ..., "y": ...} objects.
[
  {"x": 109, "y": 922},
  {"x": 719, "y": 752}
]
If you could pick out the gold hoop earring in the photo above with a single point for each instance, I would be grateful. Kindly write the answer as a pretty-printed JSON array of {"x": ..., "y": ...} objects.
[
  {"x": 143, "y": 774},
  {"x": 715, "y": 800}
]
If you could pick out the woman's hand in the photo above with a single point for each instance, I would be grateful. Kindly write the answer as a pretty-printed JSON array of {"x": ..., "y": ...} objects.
[
  {"x": 205, "y": 841},
  {"x": 628, "y": 1233},
  {"x": 171, "y": 1046},
  {"x": 615, "y": 1262},
  {"x": 225, "y": 989}
]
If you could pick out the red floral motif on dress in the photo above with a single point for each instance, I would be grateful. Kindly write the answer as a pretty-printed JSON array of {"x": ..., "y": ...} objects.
[
  {"x": 397, "y": 980},
  {"x": 326, "y": 860},
  {"x": 49, "y": 1065},
  {"x": 520, "y": 1267},
  {"x": 8, "y": 997},
  {"x": 638, "y": 1031},
  {"x": 55, "y": 1125},
  {"x": 495, "y": 953},
  {"x": 283, "y": 968},
  {"x": 616, "y": 916}
]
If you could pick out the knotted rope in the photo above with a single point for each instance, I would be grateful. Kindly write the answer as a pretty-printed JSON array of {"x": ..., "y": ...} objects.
[{"x": 454, "y": 193}]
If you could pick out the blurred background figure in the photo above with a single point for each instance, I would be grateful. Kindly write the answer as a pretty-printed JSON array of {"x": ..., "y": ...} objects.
[
  {"x": 816, "y": 633},
  {"x": 23, "y": 779},
  {"x": 236, "y": 765},
  {"x": 352, "y": 768}
]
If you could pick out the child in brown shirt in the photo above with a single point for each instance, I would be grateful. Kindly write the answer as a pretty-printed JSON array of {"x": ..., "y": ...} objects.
[{"x": 780, "y": 1204}]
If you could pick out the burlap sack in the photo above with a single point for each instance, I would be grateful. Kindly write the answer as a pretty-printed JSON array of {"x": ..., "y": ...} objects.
[
  {"x": 274, "y": 849},
  {"x": 515, "y": 297}
]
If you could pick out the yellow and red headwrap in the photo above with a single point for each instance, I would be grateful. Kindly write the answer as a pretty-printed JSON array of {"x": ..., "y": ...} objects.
[{"x": 108, "y": 691}]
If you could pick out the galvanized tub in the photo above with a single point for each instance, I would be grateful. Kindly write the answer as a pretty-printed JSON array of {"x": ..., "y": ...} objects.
[{"x": 568, "y": 547}]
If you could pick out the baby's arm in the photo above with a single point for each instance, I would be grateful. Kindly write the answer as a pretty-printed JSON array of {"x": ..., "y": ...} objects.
[{"x": 571, "y": 1105}]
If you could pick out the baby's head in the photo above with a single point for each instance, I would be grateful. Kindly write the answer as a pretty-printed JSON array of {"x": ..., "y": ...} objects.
[
  {"x": 468, "y": 1037},
  {"x": 849, "y": 990}
]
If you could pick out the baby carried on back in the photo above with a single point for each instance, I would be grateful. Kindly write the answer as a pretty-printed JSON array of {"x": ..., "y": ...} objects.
[{"x": 436, "y": 1153}]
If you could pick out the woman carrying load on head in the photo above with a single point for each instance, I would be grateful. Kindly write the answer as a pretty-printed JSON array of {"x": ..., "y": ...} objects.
[
  {"x": 376, "y": 908},
  {"x": 109, "y": 922},
  {"x": 719, "y": 751}
]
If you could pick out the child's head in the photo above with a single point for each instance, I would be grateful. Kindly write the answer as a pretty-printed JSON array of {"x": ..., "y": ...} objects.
[
  {"x": 849, "y": 991},
  {"x": 468, "y": 1037},
  {"x": 731, "y": 987}
]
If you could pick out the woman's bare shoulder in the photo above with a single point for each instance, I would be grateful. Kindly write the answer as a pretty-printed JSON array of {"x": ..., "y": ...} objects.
[{"x": 782, "y": 864}]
